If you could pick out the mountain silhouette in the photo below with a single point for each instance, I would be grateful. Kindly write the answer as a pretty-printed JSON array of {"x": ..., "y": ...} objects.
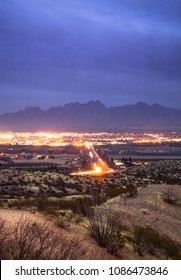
[{"x": 94, "y": 116}]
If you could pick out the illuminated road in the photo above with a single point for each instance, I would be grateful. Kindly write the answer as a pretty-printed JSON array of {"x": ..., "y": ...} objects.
[{"x": 99, "y": 167}]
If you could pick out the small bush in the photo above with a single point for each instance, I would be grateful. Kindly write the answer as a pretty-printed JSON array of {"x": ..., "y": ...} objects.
[
  {"x": 170, "y": 196},
  {"x": 29, "y": 239},
  {"x": 105, "y": 227},
  {"x": 81, "y": 205},
  {"x": 60, "y": 222},
  {"x": 144, "y": 211}
]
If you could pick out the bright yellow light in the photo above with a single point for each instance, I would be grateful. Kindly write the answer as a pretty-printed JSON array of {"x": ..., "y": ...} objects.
[
  {"x": 78, "y": 144},
  {"x": 88, "y": 145},
  {"x": 90, "y": 154},
  {"x": 97, "y": 169}
]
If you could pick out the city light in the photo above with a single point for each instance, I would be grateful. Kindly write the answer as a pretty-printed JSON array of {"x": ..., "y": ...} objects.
[{"x": 56, "y": 139}]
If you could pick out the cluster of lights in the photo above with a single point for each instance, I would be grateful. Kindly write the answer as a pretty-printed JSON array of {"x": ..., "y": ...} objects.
[{"x": 101, "y": 138}]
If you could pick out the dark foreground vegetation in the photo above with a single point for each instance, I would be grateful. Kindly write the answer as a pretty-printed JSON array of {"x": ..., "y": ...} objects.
[
  {"x": 41, "y": 239},
  {"x": 66, "y": 201},
  {"x": 108, "y": 229},
  {"x": 29, "y": 239}
]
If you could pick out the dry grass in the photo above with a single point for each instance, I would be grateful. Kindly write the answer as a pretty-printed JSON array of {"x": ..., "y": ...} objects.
[{"x": 149, "y": 209}]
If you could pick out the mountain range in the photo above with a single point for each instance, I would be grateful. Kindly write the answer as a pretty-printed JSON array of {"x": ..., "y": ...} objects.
[{"x": 94, "y": 116}]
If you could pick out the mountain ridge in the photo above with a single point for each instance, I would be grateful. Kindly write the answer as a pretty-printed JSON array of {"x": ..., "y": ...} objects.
[{"x": 94, "y": 115}]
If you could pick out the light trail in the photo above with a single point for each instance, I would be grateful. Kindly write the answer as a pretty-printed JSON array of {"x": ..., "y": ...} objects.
[
  {"x": 90, "y": 154},
  {"x": 100, "y": 159},
  {"x": 100, "y": 167},
  {"x": 97, "y": 169}
]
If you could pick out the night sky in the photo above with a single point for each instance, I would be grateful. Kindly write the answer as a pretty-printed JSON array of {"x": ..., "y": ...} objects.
[{"x": 120, "y": 52}]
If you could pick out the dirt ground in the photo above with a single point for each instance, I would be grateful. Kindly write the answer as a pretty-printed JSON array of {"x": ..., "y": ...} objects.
[{"x": 149, "y": 209}]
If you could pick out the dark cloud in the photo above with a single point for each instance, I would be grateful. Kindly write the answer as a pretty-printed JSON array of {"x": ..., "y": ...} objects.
[{"x": 52, "y": 52}]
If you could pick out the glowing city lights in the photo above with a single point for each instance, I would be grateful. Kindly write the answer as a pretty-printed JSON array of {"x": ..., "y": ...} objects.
[{"x": 56, "y": 139}]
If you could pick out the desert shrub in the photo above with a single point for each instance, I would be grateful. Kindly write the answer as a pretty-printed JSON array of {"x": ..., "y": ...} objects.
[
  {"x": 4, "y": 234},
  {"x": 131, "y": 190},
  {"x": 62, "y": 223},
  {"x": 80, "y": 205},
  {"x": 51, "y": 212},
  {"x": 170, "y": 196},
  {"x": 41, "y": 203},
  {"x": 105, "y": 227},
  {"x": 21, "y": 203},
  {"x": 113, "y": 191},
  {"x": 1, "y": 202},
  {"x": 147, "y": 240},
  {"x": 145, "y": 211},
  {"x": 78, "y": 219},
  {"x": 38, "y": 240}
]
